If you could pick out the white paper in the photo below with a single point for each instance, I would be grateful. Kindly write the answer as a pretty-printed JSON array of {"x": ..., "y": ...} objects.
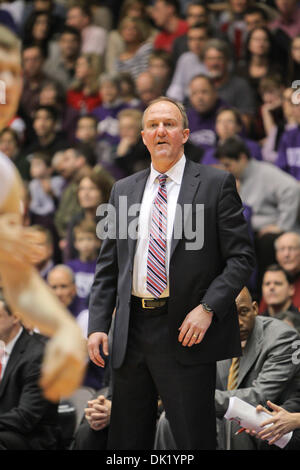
[{"x": 247, "y": 417}]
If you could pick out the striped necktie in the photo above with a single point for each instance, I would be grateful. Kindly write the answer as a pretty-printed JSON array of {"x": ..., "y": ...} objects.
[
  {"x": 156, "y": 262},
  {"x": 233, "y": 374}
]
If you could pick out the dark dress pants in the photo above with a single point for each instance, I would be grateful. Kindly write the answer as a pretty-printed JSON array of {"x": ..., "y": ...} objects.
[
  {"x": 150, "y": 370},
  {"x": 88, "y": 439}
]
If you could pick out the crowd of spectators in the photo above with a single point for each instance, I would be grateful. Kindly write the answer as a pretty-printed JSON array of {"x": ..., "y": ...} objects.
[{"x": 89, "y": 71}]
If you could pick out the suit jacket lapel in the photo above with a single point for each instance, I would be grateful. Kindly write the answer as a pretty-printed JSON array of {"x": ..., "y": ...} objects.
[
  {"x": 252, "y": 350},
  {"x": 13, "y": 360},
  {"x": 135, "y": 196},
  {"x": 188, "y": 189}
]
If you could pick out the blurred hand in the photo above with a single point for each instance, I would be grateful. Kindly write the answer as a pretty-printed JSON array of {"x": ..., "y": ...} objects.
[
  {"x": 64, "y": 362},
  {"x": 18, "y": 244},
  {"x": 46, "y": 185},
  {"x": 124, "y": 146}
]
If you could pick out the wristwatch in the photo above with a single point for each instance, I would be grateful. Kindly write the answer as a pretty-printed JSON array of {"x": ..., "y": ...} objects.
[{"x": 207, "y": 308}]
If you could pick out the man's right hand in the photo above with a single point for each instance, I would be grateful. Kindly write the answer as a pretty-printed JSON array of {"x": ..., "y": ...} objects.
[{"x": 96, "y": 340}]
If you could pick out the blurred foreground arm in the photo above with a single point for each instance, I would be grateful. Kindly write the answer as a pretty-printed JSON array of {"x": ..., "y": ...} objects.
[{"x": 33, "y": 301}]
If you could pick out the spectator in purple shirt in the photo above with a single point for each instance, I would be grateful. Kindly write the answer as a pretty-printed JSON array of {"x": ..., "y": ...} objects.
[
  {"x": 7, "y": 20},
  {"x": 202, "y": 112},
  {"x": 87, "y": 244},
  {"x": 289, "y": 147},
  {"x": 228, "y": 124},
  {"x": 107, "y": 112}
]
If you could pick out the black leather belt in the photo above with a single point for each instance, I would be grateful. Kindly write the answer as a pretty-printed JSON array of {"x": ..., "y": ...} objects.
[{"x": 150, "y": 303}]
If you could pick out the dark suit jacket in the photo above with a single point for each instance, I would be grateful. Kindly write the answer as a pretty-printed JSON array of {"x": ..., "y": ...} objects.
[
  {"x": 214, "y": 274},
  {"x": 23, "y": 409}
]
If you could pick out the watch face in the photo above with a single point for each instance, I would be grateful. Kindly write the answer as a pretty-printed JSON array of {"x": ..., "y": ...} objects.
[{"x": 207, "y": 307}]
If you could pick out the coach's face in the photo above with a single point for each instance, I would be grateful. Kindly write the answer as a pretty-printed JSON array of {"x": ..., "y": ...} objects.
[{"x": 164, "y": 135}]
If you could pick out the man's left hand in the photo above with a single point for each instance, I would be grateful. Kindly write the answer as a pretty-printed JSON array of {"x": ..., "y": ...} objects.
[{"x": 194, "y": 326}]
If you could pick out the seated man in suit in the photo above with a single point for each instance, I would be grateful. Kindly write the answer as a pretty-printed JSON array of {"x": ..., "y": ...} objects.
[
  {"x": 92, "y": 433},
  {"x": 266, "y": 371},
  {"x": 27, "y": 420}
]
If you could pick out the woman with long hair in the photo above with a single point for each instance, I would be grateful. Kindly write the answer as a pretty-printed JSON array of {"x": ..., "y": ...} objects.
[
  {"x": 39, "y": 29},
  {"x": 294, "y": 61},
  {"x": 261, "y": 58},
  {"x": 134, "y": 59},
  {"x": 115, "y": 44},
  {"x": 83, "y": 93},
  {"x": 93, "y": 189}
]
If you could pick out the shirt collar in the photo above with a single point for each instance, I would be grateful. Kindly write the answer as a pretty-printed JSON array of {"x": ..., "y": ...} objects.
[
  {"x": 10, "y": 346},
  {"x": 175, "y": 173}
]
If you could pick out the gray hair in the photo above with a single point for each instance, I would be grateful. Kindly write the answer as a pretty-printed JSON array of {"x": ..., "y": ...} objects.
[
  {"x": 219, "y": 45},
  {"x": 66, "y": 269},
  {"x": 185, "y": 121},
  {"x": 296, "y": 234}
]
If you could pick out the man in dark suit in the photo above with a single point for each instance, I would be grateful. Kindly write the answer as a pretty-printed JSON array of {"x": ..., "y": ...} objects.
[
  {"x": 173, "y": 287},
  {"x": 27, "y": 420}
]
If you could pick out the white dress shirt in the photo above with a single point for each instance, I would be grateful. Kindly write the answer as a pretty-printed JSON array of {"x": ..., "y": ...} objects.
[
  {"x": 8, "y": 350},
  {"x": 173, "y": 183}
]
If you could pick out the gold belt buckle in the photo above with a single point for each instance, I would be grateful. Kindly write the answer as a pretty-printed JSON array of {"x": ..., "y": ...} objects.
[{"x": 143, "y": 303}]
